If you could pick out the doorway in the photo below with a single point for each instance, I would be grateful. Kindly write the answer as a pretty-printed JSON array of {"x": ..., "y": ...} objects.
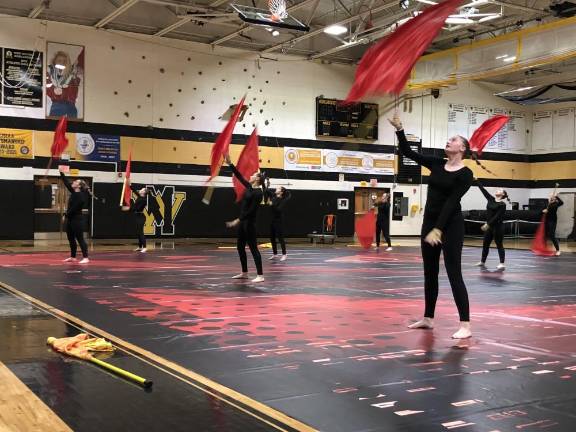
[{"x": 363, "y": 200}]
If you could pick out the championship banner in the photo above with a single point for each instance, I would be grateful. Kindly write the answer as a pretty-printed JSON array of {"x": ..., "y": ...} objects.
[
  {"x": 300, "y": 159},
  {"x": 98, "y": 148},
  {"x": 16, "y": 144},
  {"x": 341, "y": 161}
]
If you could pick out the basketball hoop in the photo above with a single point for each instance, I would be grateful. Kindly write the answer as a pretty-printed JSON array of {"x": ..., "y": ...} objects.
[{"x": 277, "y": 9}]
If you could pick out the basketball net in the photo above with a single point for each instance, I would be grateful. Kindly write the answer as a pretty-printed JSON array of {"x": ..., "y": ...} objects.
[{"x": 277, "y": 9}]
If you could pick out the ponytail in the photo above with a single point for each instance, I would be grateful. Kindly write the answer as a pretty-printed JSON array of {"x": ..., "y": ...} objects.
[
  {"x": 85, "y": 188},
  {"x": 473, "y": 155}
]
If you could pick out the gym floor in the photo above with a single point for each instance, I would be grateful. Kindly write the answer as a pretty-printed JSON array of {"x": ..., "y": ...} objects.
[{"x": 322, "y": 344}]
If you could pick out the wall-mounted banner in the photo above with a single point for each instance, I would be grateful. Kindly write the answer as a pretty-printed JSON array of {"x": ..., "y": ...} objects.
[
  {"x": 16, "y": 143},
  {"x": 65, "y": 81},
  {"x": 98, "y": 148},
  {"x": 23, "y": 72},
  {"x": 342, "y": 161},
  {"x": 164, "y": 205}
]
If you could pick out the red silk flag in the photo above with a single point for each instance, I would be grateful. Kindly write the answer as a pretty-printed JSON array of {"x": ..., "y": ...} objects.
[
  {"x": 220, "y": 147},
  {"x": 485, "y": 132},
  {"x": 248, "y": 163},
  {"x": 60, "y": 141},
  {"x": 539, "y": 246},
  {"x": 385, "y": 68},
  {"x": 126, "y": 197},
  {"x": 366, "y": 229}
]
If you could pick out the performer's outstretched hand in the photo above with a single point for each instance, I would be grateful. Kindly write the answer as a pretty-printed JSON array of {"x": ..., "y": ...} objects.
[
  {"x": 434, "y": 237},
  {"x": 396, "y": 122},
  {"x": 545, "y": 211}
]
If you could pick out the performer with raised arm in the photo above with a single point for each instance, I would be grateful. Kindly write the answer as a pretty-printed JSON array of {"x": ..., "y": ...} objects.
[
  {"x": 137, "y": 207},
  {"x": 494, "y": 226},
  {"x": 552, "y": 219},
  {"x": 382, "y": 203},
  {"x": 443, "y": 224},
  {"x": 75, "y": 219},
  {"x": 246, "y": 222},
  {"x": 278, "y": 198}
]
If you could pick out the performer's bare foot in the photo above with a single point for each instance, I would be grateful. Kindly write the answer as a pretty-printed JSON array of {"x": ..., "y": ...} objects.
[
  {"x": 480, "y": 264},
  {"x": 241, "y": 276},
  {"x": 389, "y": 248},
  {"x": 71, "y": 259},
  {"x": 284, "y": 258},
  {"x": 557, "y": 253},
  {"x": 464, "y": 332},
  {"x": 84, "y": 261},
  {"x": 258, "y": 279},
  {"x": 424, "y": 323},
  {"x": 501, "y": 267}
]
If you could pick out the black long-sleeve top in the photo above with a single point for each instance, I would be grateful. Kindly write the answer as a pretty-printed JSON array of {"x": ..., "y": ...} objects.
[
  {"x": 495, "y": 210},
  {"x": 139, "y": 205},
  {"x": 250, "y": 201},
  {"x": 277, "y": 203},
  {"x": 76, "y": 202},
  {"x": 553, "y": 208},
  {"x": 445, "y": 188},
  {"x": 383, "y": 212}
]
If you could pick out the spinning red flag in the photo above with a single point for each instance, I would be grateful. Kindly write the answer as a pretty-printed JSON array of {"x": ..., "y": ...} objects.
[
  {"x": 366, "y": 229},
  {"x": 386, "y": 66},
  {"x": 126, "y": 196},
  {"x": 220, "y": 147},
  {"x": 539, "y": 246},
  {"x": 60, "y": 141},
  {"x": 485, "y": 132},
  {"x": 248, "y": 163}
]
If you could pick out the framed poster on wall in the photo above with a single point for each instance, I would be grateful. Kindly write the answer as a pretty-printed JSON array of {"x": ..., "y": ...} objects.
[
  {"x": 64, "y": 81},
  {"x": 22, "y": 73}
]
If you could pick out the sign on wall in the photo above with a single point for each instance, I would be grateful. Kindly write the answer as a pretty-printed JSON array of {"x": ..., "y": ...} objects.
[
  {"x": 98, "y": 148},
  {"x": 65, "y": 81},
  {"x": 16, "y": 143},
  {"x": 22, "y": 71},
  {"x": 465, "y": 119},
  {"x": 341, "y": 161}
]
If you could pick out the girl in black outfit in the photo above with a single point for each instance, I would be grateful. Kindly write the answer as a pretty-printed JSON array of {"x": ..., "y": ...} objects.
[
  {"x": 278, "y": 198},
  {"x": 494, "y": 226},
  {"x": 443, "y": 225},
  {"x": 75, "y": 218},
  {"x": 246, "y": 223},
  {"x": 552, "y": 220},
  {"x": 383, "y": 219},
  {"x": 137, "y": 207}
]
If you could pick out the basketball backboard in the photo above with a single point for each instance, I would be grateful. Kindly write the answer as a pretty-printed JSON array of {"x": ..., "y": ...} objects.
[{"x": 263, "y": 17}]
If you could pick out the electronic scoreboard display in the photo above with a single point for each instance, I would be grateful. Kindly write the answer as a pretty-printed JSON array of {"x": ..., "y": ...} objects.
[{"x": 356, "y": 121}]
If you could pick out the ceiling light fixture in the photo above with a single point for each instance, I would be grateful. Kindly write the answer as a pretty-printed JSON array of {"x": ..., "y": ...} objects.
[{"x": 335, "y": 30}]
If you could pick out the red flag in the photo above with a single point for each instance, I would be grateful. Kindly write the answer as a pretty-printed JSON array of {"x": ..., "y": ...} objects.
[
  {"x": 125, "y": 199},
  {"x": 60, "y": 141},
  {"x": 486, "y": 131},
  {"x": 539, "y": 246},
  {"x": 386, "y": 66},
  {"x": 248, "y": 163},
  {"x": 220, "y": 147},
  {"x": 366, "y": 229}
]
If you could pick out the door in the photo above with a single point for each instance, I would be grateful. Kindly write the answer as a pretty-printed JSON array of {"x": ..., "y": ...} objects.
[
  {"x": 566, "y": 215},
  {"x": 364, "y": 201}
]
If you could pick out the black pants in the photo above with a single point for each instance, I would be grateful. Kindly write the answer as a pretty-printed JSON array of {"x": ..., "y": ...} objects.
[
  {"x": 551, "y": 232},
  {"x": 495, "y": 233},
  {"x": 247, "y": 236},
  {"x": 140, "y": 221},
  {"x": 277, "y": 232},
  {"x": 383, "y": 227},
  {"x": 452, "y": 241},
  {"x": 75, "y": 233}
]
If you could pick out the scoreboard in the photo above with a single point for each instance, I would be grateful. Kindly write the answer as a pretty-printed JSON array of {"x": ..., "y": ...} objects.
[{"x": 358, "y": 120}]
